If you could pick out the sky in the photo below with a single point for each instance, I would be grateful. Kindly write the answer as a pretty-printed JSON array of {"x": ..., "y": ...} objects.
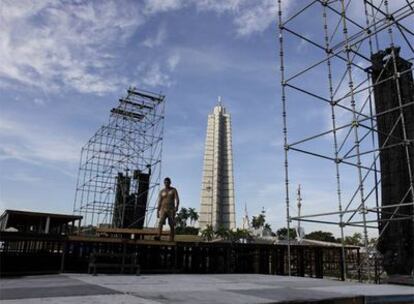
[{"x": 64, "y": 64}]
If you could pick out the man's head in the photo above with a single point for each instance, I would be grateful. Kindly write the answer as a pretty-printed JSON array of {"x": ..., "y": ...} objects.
[{"x": 167, "y": 182}]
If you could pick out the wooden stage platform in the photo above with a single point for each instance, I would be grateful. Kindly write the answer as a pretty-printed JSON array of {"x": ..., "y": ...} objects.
[{"x": 28, "y": 253}]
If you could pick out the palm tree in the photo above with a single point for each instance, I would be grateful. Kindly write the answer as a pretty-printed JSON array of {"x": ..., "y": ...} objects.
[
  {"x": 183, "y": 214},
  {"x": 282, "y": 233},
  {"x": 208, "y": 233},
  {"x": 238, "y": 235},
  {"x": 182, "y": 217},
  {"x": 255, "y": 223},
  {"x": 193, "y": 215},
  {"x": 261, "y": 218},
  {"x": 258, "y": 221},
  {"x": 223, "y": 232},
  {"x": 245, "y": 234},
  {"x": 267, "y": 227}
]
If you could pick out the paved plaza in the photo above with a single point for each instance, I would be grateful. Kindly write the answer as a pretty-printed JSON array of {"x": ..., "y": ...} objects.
[{"x": 183, "y": 289}]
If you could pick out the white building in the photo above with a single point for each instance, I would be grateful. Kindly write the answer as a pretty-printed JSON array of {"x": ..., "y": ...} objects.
[{"x": 217, "y": 192}]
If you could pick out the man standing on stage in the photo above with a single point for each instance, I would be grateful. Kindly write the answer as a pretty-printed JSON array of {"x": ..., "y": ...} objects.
[{"x": 168, "y": 203}]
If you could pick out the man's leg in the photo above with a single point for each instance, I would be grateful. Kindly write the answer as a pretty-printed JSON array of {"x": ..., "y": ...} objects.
[
  {"x": 160, "y": 224},
  {"x": 159, "y": 231},
  {"x": 171, "y": 222}
]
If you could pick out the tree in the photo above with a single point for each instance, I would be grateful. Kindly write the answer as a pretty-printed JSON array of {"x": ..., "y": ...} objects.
[
  {"x": 208, "y": 233},
  {"x": 235, "y": 236},
  {"x": 222, "y": 232},
  {"x": 267, "y": 230},
  {"x": 258, "y": 221},
  {"x": 282, "y": 233},
  {"x": 240, "y": 234},
  {"x": 181, "y": 217},
  {"x": 186, "y": 230},
  {"x": 355, "y": 239},
  {"x": 321, "y": 236},
  {"x": 372, "y": 242},
  {"x": 193, "y": 215}
]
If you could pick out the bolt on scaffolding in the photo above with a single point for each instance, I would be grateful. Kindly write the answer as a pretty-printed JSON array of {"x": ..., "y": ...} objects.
[
  {"x": 354, "y": 73},
  {"x": 120, "y": 165}
]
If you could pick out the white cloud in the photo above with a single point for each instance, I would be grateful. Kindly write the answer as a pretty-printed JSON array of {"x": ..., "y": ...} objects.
[
  {"x": 39, "y": 101},
  {"x": 173, "y": 61},
  {"x": 157, "y": 40},
  {"x": 158, "y": 74},
  {"x": 220, "y": 6},
  {"x": 52, "y": 45},
  {"x": 35, "y": 145},
  {"x": 153, "y": 76},
  {"x": 248, "y": 16},
  {"x": 159, "y": 6},
  {"x": 22, "y": 176},
  {"x": 256, "y": 18}
]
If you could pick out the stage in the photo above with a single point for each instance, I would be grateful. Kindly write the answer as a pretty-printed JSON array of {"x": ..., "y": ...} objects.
[
  {"x": 184, "y": 288},
  {"x": 27, "y": 254}
]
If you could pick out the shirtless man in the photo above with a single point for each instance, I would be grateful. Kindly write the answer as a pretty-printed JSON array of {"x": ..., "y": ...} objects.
[{"x": 168, "y": 203}]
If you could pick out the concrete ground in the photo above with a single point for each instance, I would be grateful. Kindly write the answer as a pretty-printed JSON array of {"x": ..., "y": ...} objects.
[{"x": 183, "y": 289}]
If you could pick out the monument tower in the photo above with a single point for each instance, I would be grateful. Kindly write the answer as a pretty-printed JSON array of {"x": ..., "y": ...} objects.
[{"x": 217, "y": 193}]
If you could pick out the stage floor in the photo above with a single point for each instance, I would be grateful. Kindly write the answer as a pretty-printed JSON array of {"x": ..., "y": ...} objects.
[{"x": 185, "y": 289}]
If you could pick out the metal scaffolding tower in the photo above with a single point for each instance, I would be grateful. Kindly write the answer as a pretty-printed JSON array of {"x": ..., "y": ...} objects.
[
  {"x": 120, "y": 165},
  {"x": 354, "y": 74}
]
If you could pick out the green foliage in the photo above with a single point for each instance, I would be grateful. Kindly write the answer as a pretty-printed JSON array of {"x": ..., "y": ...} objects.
[
  {"x": 192, "y": 215},
  {"x": 208, "y": 233},
  {"x": 240, "y": 234},
  {"x": 258, "y": 221},
  {"x": 222, "y": 232},
  {"x": 181, "y": 218},
  {"x": 268, "y": 229},
  {"x": 184, "y": 215},
  {"x": 372, "y": 241},
  {"x": 282, "y": 233},
  {"x": 355, "y": 239},
  {"x": 187, "y": 230},
  {"x": 235, "y": 236},
  {"x": 321, "y": 236},
  {"x": 88, "y": 230}
]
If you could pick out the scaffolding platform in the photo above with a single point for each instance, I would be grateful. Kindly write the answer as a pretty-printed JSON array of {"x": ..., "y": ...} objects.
[
  {"x": 120, "y": 165},
  {"x": 346, "y": 76}
]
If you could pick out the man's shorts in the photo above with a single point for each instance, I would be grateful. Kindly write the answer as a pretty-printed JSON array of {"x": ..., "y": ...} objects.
[{"x": 167, "y": 213}]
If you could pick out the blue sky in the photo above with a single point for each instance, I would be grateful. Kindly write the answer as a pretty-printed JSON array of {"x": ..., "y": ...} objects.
[{"x": 64, "y": 65}]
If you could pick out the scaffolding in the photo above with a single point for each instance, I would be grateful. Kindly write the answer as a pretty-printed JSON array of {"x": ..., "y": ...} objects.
[
  {"x": 349, "y": 50},
  {"x": 120, "y": 166}
]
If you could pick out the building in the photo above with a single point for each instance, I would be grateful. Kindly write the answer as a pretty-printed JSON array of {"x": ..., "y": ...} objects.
[
  {"x": 395, "y": 125},
  {"x": 217, "y": 193},
  {"x": 39, "y": 222},
  {"x": 246, "y": 220}
]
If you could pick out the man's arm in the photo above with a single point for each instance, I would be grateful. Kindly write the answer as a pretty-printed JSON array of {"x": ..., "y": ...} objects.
[
  {"x": 177, "y": 200},
  {"x": 159, "y": 204}
]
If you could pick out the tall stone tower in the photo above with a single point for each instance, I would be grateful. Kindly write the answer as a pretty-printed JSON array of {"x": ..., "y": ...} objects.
[{"x": 217, "y": 193}]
